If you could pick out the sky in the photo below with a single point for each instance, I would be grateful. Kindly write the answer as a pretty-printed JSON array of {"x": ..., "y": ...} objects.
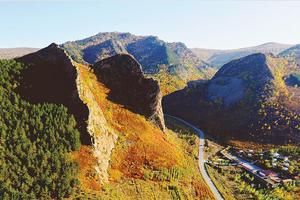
[{"x": 217, "y": 24}]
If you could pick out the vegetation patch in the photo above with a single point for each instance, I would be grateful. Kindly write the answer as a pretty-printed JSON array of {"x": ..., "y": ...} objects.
[
  {"x": 146, "y": 162},
  {"x": 34, "y": 142}
]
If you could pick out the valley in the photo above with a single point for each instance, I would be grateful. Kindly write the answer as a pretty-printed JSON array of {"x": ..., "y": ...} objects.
[
  {"x": 149, "y": 100},
  {"x": 128, "y": 115}
]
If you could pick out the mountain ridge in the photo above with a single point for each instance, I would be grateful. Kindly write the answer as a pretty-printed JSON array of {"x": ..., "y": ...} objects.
[
  {"x": 44, "y": 66},
  {"x": 158, "y": 58},
  {"x": 217, "y": 57},
  {"x": 238, "y": 98}
]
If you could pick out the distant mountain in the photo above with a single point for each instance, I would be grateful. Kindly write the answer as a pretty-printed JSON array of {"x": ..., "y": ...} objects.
[
  {"x": 8, "y": 53},
  {"x": 159, "y": 59},
  {"x": 218, "y": 58},
  {"x": 206, "y": 54},
  {"x": 246, "y": 99},
  {"x": 292, "y": 53}
]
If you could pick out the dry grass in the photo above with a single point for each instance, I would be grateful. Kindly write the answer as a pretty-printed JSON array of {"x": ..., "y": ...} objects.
[
  {"x": 86, "y": 161},
  {"x": 141, "y": 148},
  {"x": 141, "y": 143},
  {"x": 225, "y": 184}
]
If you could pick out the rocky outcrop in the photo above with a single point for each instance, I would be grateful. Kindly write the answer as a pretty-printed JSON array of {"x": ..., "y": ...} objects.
[
  {"x": 103, "y": 137},
  {"x": 123, "y": 75},
  {"x": 50, "y": 76}
]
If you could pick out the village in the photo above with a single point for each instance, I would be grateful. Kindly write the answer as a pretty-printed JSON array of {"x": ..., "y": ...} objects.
[{"x": 268, "y": 168}]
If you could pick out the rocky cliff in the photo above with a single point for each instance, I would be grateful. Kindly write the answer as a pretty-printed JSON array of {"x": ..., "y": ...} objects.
[
  {"x": 50, "y": 77},
  {"x": 123, "y": 75},
  {"x": 103, "y": 137}
]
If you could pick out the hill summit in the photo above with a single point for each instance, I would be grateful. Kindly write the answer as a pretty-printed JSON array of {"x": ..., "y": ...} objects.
[
  {"x": 128, "y": 86},
  {"x": 246, "y": 98},
  {"x": 51, "y": 77}
]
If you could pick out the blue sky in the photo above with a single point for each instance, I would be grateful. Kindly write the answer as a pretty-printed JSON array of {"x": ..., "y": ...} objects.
[{"x": 208, "y": 24}]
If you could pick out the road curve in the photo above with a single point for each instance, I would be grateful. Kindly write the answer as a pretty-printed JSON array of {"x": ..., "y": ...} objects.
[{"x": 202, "y": 169}]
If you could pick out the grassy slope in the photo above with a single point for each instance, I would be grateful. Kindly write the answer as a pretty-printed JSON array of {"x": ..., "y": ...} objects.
[
  {"x": 146, "y": 163},
  {"x": 169, "y": 84}
]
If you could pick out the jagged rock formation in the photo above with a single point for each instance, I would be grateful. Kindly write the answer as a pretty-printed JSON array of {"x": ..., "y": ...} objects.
[
  {"x": 123, "y": 75},
  {"x": 103, "y": 137},
  {"x": 51, "y": 77},
  {"x": 245, "y": 99}
]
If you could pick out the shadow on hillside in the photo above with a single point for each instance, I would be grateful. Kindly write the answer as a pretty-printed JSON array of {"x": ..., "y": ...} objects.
[
  {"x": 54, "y": 81},
  {"x": 127, "y": 84}
]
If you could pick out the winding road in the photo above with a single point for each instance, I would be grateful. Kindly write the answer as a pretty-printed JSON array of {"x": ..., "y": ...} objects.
[{"x": 201, "y": 161}]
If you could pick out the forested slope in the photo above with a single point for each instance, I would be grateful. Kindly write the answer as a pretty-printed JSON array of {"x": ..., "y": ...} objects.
[{"x": 34, "y": 142}]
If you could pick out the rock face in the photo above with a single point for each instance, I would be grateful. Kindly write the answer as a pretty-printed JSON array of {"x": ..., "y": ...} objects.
[
  {"x": 103, "y": 137},
  {"x": 245, "y": 99},
  {"x": 51, "y": 77},
  {"x": 123, "y": 75},
  {"x": 231, "y": 82}
]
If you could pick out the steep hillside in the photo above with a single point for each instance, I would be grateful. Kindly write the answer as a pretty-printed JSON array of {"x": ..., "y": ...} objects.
[
  {"x": 8, "y": 53},
  {"x": 103, "y": 50},
  {"x": 158, "y": 58},
  {"x": 247, "y": 98},
  {"x": 125, "y": 155},
  {"x": 51, "y": 77},
  {"x": 121, "y": 72},
  {"x": 218, "y": 58},
  {"x": 35, "y": 142},
  {"x": 144, "y": 161}
]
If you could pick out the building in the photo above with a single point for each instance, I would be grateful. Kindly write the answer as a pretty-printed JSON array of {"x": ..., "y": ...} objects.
[{"x": 269, "y": 173}]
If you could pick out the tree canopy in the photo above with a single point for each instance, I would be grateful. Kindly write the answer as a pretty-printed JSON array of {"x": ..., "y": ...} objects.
[{"x": 34, "y": 142}]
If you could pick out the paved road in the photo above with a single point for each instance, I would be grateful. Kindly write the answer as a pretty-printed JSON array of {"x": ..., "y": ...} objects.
[
  {"x": 248, "y": 166},
  {"x": 202, "y": 169}
]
